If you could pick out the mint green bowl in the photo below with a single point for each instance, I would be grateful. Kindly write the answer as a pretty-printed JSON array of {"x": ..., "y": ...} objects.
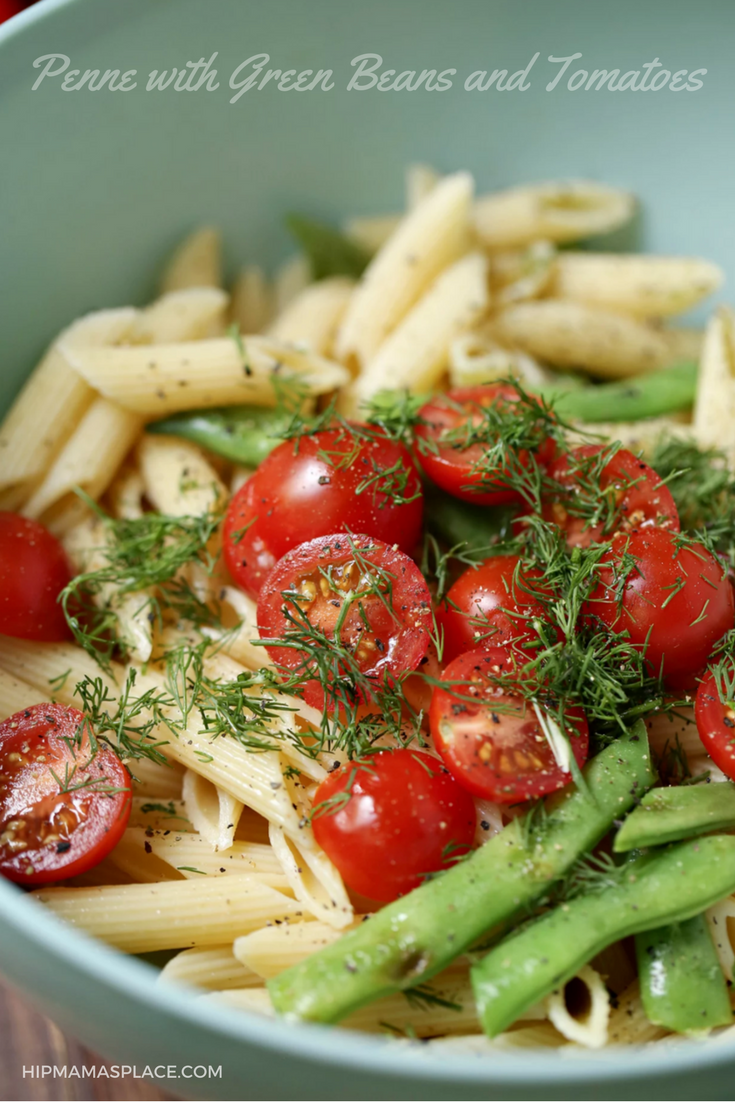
[{"x": 95, "y": 188}]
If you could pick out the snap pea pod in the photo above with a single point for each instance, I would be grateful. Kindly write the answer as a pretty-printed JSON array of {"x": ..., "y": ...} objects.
[
  {"x": 410, "y": 940},
  {"x": 683, "y": 987},
  {"x": 455, "y": 521},
  {"x": 668, "y": 390},
  {"x": 670, "y": 814},
  {"x": 245, "y": 434},
  {"x": 662, "y": 886}
]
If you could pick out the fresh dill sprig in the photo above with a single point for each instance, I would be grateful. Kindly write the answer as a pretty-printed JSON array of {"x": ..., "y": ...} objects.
[
  {"x": 703, "y": 489},
  {"x": 125, "y": 723}
]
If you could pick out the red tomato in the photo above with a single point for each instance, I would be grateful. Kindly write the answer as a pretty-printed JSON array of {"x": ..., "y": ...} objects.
[
  {"x": 675, "y": 602},
  {"x": 62, "y": 806},
  {"x": 629, "y": 493},
  {"x": 388, "y": 820},
  {"x": 9, "y": 8},
  {"x": 460, "y": 466},
  {"x": 386, "y": 630},
  {"x": 330, "y": 482},
  {"x": 33, "y": 571},
  {"x": 490, "y": 605},
  {"x": 491, "y": 739},
  {"x": 716, "y": 724}
]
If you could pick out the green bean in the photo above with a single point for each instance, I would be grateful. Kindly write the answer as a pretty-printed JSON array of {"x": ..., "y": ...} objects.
[
  {"x": 330, "y": 252},
  {"x": 455, "y": 521},
  {"x": 670, "y": 814},
  {"x": 245, "y": 434},
  {"x": 415, "y": 937},
  {"x": 662, "y": 886},
  {"x": 683, "y": 987},
  {"x": 668, "y": 390}
]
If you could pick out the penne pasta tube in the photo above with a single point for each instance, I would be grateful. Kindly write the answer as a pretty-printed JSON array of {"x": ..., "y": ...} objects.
[
  {"x": 178, "y": 480},
  {"x": 416, "y": 353},
  {"x": 550, "y": 211},
  {"x": 214, "y": 813},
  {"x": 17, "y": 695},
  {"x": 312, "y": 318},
  {"x": 714, "y": 408},
  {"x": 191, "y": 314},
  {"x": 89, "y": 459},
  {"x": 154, "y": 781},
  {"x": 276, "y": 948},
  {"x": 580, "y": 1011},
  {"x": 197, "y": 262},
  {"x": 372, "y": 231},
  {"x": 164, "y": 378},
  {"x": 52, "y": 402},
  {"x": 569, "y": 334},
  {"x": 238, "y": 615},
  {"x": 628, "y": 1024},
  {"x": 475, "y": 358},
  {"x": 143, "y": 918},
  {"x": 136, "y": 863},
  {"x": 160, "y": 814},
  {"x": 721, "y": 920},
  {"x": 212, "y": 967},
  {"x": 645, "y": 286},
  {"x": 126, "y": 495},
  {"x": 640, "y": 437},
  {"x": 252, "y": 301},
  {"x": 53, "y": 668},
  {"x": 431, "y": 237},
  {"x": 293, "y": 276},
  {"x": 521, "y": 274},
  {"x": 684, "y": 343},
  {"x": 420, "y": 180},
  {"x": 313, "y": 879},
  {"x": 191, "y": 855}
]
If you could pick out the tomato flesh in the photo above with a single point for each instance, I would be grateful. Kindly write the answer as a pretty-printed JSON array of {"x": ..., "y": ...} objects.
[
  {"x": 329, "y": 482},
  {"x": 389, "y": 820},
  {"x": 357, "y": 590},
  {"x": 453, "y": 461},
  {"x": 716, "y": 724},
  {"x": 33, "y": 572},
  {"x": 491, "y": 739},
  {"x": 492, "y": 604},
  {"x": 675, "y": 603},
  {"x": 633, "y": 495},
  {"x": 62, "y": 807}
]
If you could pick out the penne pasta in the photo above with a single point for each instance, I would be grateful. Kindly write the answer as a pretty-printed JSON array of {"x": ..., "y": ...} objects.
[
  {"x": 143, "y": 918},
  {"x": 191, "y": 314},
  {"x": 252, "y": 301},
  {"x": 276, "y": 948},
  {"x": 313, "y": 879},
  {"x": 644, "y": 286},
  {"x": 373, "y": 231},
  {"x": 420, "y": 181},
  {"x": 89, "y": 460},
  {"x": 164, "y": 378},
  {"x": 416, "y": 353},
  {"x": 551, "y": 211},
  {"x": 197, "y": 262},
  {"x": 177, "y": 478},
  {"x": 189, "y": 854},
  {"x": 54, "y": 668},
  {"x": 475, "y": 358},
  {"x": 292, "y": 278},
  {"x": 721, "y": 921},
  {"x": 430, "y": 238},
  {"x": 714, "y": 408},
  {"x": 581, "y": 1010},
  {"x": 213, "y": 967},
  {"x": 569, "y": 334},
  {"x": 628, "y": 1024},
  {"x": 16, "y": 695},
  {"x": 154, "y": 781},
  {"x": 51, "y": 404},
  {"x": 159, "y": 814},
  {"x": 214, "y": 813},
  {"x": 312, "y": 318}
]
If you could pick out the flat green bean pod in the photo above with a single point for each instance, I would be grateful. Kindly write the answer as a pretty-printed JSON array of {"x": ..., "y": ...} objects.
[
  {"x": 655, "y": 394},
  {"x": 670, "y": 814}
]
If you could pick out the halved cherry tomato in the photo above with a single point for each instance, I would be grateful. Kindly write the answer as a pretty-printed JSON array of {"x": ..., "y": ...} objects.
[
  {"x": 63, "y": 807},
  {"x": 389, "y": 820},
  {"x": 673, "y": 599},
  {"x": 454, "y": 458},
  {"x": 491, "y": 739},
  {"x": 492, "y": 604},
  {"x": 627, "y": 492},
  {"x": 332, "y": 481},
  {"x": 370, "y": 595},
  {"x": 716, "y": 723},
  {"x": 33, "y": 571}
]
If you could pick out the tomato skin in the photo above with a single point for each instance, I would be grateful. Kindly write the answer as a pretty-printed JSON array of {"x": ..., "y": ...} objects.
[
  {"x": 716, "y": 725},
  {"x": 300, "y": 492},
  {"x": 65, "y": 834},
  {"x": 497, "y": 754},
  {"x": 405, "y": 817},
  {"x": 643, "y": 500},
  {"x": 399, "y": 635},
  {"x": 676, "y": 602},
  {"x": 33, "y": 571},
  {"x": 451, "y": 466},
  {"x": 489, "y": 606}
]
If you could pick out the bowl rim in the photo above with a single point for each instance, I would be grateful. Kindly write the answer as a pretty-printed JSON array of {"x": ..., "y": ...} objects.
[{"x": 372, "y": 1055}]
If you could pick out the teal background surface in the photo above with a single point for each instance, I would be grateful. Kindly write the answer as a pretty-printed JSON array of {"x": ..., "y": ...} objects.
[{"x": 96, "y": 188}]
